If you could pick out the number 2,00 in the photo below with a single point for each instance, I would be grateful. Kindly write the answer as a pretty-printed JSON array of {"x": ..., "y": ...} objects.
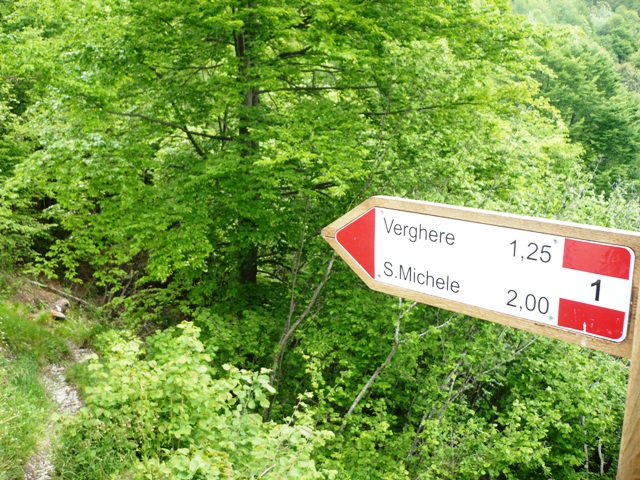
[{"x": 531, "y": 303}]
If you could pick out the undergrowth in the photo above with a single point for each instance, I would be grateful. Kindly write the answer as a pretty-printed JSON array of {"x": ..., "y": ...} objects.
[
  {"x": 29, "y": 338},
  {"x": 164, "y": 409}
]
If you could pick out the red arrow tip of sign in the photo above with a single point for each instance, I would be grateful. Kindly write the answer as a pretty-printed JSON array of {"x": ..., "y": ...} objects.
[{"x": 358, "y": 239}]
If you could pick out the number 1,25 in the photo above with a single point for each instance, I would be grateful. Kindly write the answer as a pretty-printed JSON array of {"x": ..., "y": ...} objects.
[{"x": 534, "y": 252}]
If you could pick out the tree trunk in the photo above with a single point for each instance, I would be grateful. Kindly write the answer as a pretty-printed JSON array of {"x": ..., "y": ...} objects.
[{"x": 248, "y": 260}]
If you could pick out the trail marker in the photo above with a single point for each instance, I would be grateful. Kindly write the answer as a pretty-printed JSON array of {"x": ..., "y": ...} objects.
[{"x": 571, "y": 282}]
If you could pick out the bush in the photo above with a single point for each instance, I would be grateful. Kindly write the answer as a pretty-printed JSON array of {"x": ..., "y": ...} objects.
[{"x": 164, "y": 412}]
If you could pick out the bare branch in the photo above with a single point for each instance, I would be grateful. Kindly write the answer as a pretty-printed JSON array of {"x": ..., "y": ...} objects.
[
  {"x": 451, "y": 318},
  {"x": 316, "y": 187},
  {"x": 60, "y": 292},
  {"x": 289, "y": 329},
  {"x": 381, "y": 150},
  {"x": 154, "y": 68},
  {"x": 510, "y": 359},
  {"x": 367, "y": 385},
  {"x": 452, "y": 397},
  {"x": 266, "y": 470},
  {"x": 312, "y": 302},
  {"x": 449, "y": 381},
  {"x": 295, "y": 268},
  {"x": 601, "y": 457},
  {"x": 202, "y": 67},
  {"x": 195, "y": 144},
  {"x": 380, "y": 369}
]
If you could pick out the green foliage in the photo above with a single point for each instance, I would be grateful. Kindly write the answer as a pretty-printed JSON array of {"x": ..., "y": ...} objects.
[
  {"x": 468, "y": 400},
  {"x": 24, "y": 405},
  {"x": 540, "y": 423},
  {"x": 621, "y": 33},
  {"x": 181, "y": 158},
  {"x": 574, "y": 12},
  {"x": 17, "y": 230},
  {"x": 78, "y": 328},
  {"x": 582, "y": 81},
  {"x": 200, "y": 163},
  {"x": 164, "y": 412},
  {"x": 592, "y": 79}
]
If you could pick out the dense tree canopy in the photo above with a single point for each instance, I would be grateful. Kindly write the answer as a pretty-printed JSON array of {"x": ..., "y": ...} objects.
[{"x": 592, "y": 79}]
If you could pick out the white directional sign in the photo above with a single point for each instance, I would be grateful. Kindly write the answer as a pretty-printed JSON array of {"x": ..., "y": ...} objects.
[
  {"x": 497, "y": 267},
  {"x": 549, "y": 279}
]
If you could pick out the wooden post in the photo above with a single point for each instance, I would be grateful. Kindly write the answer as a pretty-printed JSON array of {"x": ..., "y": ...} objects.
[{"x": 629, "y": 460}]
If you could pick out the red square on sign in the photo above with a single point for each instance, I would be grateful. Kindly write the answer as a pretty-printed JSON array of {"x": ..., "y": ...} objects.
[
  {"x": 583, "y": 317},
  {"x": 609, "y": 260}
]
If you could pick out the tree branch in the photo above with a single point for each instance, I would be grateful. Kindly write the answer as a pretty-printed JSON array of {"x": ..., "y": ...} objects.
[
  {"x": 60, "y": 292},
  {"x": 312, "y": 302},
  {"x": 317, "y": 187},
  {"x": 297, "y": 53},
  {"x": 290, "y": 328},
  {"x": 426, "y": 332},
  {"x": 419, "y": 109},
  {"x": 195, "y": 144},
  {"x": 318, "y": 89},
  {"x": 168, "y": 124},
  {"x": 508, "y": 360},
  {"x": 380, "y": 369},
  {"x": 266, "y": 470},
  {"x": 450, "y": 382}
]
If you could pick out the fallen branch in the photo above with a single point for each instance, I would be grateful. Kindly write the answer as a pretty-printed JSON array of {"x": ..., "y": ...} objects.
[{"x": 60, "y": 292}]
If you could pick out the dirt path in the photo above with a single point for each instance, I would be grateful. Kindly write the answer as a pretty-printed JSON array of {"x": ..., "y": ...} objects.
[{"x": 39, "y": 466}]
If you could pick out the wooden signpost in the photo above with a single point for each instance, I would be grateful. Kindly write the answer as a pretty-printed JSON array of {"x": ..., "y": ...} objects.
[{"x": 566, "y": 281}]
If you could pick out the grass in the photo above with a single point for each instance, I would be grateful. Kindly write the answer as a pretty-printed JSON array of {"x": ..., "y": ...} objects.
[
  {"x": 77, "y": 375},
  {"x": 30, "y": 338},
  {"x": 80, "y": 331},
  {"x": 23, "y": 337},
  {"x": 24, "y": 407}
]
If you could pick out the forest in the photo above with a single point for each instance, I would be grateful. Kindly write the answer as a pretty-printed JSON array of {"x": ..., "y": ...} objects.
[{"x": 172, "y": 164}]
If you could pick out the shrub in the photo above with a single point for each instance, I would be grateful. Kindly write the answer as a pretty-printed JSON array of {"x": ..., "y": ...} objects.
[{"x": 163, "y": 411}]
